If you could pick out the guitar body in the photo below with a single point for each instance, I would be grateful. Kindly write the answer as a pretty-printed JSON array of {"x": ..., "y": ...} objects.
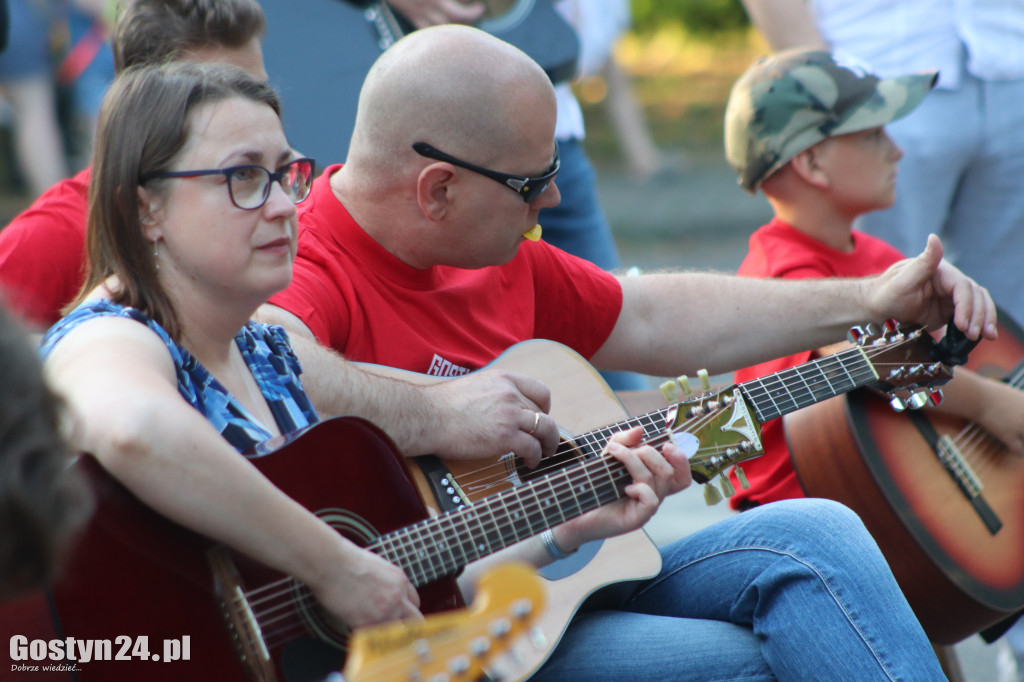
[
  {"x": 957, "y": 574},
  {"x": 135, "y": 574},
  {"x": 580, "y": 401}
]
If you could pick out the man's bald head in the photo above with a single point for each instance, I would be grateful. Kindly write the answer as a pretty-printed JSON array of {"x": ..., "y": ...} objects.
[{"x": 456, "y": 87}]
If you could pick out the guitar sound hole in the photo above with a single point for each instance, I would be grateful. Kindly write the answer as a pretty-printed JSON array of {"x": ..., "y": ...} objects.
[{"x": 567, "y": 454}]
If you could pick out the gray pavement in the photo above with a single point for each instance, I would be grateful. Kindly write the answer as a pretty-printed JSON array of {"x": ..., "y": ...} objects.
[{"x": 699, "y": 218}]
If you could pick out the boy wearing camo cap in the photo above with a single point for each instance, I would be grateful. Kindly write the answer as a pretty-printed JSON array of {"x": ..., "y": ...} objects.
[{"x": 808, "y": 131}]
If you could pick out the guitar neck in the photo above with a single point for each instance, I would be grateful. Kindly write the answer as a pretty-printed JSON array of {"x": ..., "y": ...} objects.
[
  {"x": 443, "y": 545},
  {"x": 791, "y": 389},
  {"x": 770, "y": 396}
]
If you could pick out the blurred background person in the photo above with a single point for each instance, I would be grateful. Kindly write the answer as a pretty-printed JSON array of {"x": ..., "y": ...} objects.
[{"x": 27, "y": 82}]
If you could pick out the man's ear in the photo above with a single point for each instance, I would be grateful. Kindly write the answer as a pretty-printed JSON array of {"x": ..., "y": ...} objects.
[
  {"x": 436, "y": 187},
  {"x": 150, "y": 207},
  {"x": 807, "y": 165}
]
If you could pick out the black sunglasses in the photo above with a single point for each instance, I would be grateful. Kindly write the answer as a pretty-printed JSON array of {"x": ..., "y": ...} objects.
[
  {"x": 249, "y": 185},
  {"x": 526, "y": 187}
]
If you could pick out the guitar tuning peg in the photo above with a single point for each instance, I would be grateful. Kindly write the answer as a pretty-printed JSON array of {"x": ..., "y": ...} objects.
[
  {"x": 479, "y": 646},
  {"x": 684, "y": 384},
  {"x": 711, "y": 494},
  {"x": 538, "y": 638},
  {"x": 917, "y": 400},
  {"x": 871, "y": 330},
  {"x": 521, "y": 609},
  {"x": 741, "y": 476},
  {"x": 670, "y": 391},
  {"x": 705, "y": 381},
  {"x": 892, "y": 325},
  {"x": 935, "y": 396},
  {"x": 501, "y": 627},
  {"x": 727, "y": 488},
  {"x": 897, "y": 403}
]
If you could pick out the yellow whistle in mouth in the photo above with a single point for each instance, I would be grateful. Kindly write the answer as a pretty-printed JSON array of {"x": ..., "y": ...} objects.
[{"x": 534, "y": 233}]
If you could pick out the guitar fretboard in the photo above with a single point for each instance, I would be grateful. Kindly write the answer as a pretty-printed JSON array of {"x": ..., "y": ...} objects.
[
  {"x": 770, "y": 396},
  {"x": 443, "y": 545},
  {"x": 789, "y": 390}
]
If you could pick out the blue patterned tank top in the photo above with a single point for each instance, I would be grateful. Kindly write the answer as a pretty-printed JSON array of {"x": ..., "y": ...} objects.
[{"x": 267, "y": 352}]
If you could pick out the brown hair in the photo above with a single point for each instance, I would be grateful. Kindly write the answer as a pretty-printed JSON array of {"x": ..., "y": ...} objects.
[
  {"x": 154, "y": 31},
  {"x": 144, "y": 123},
  {"x": 42, "y": 502}
]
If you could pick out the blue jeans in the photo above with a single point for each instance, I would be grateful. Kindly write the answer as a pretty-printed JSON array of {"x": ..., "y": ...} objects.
[
  {"x": 793, "y": 590},
  {"x": 962, "y": 177},
  {"x": 578, "y": 225}
]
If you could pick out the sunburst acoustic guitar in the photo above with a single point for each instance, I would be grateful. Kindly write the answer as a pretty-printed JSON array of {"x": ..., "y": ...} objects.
[{"x": 942, "y": 497}]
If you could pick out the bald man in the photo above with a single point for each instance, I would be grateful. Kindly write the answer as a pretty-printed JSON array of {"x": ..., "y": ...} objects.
[
  {"x": 421, "y": 252},
  {"x": 418, "y": 252}
]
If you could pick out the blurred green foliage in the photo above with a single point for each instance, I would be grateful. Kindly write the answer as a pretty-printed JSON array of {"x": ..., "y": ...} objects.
[{"x": 698, "y": 17}]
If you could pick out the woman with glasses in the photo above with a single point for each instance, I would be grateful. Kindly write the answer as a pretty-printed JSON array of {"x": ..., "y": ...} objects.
[{"x": 191, "y": 227}]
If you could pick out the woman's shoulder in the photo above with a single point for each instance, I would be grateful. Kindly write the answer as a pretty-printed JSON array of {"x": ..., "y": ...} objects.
[{"x": 94, "y": 309}]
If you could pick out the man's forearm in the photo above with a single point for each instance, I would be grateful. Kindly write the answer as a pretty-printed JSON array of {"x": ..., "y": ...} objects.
[
  {"x": 675, "y": 323},
  {"x": 339, "y": 387},
  {"x": 680, "y": 323}
]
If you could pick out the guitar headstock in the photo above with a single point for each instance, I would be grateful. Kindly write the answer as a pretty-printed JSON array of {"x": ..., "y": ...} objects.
[
  {"x": 720, "y": 429},
  {"x": 455, "y": 645},
  {"x": 909, "y": 364},
  {"x": 716, "y": 430}
]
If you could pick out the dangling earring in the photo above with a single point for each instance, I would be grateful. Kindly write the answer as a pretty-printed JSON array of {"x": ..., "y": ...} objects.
[{"x": 156, "y": 253}]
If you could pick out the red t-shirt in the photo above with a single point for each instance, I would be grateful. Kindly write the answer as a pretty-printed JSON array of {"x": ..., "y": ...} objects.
[
  {"x": 778, "y": 250},
  {"x": 367, "y": 304},
  {"x": 42, "y": 253}
]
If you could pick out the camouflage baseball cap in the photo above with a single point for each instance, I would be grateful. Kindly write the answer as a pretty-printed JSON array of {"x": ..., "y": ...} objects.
[{"x": 794, "y": 99}]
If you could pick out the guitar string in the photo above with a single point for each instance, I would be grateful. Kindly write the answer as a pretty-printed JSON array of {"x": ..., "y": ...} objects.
[
  {"x": 266, "y": 622},
  {"x": 594, "y": 440},
  {"x": 979, "y": 447},
  {"x": 576, "y": 499},
  {"x": 271, "y": 636},
  {"x": 563, "y": 494},
  {"x": 272, "y": 591},
  {"x": 306, "y": 596}
]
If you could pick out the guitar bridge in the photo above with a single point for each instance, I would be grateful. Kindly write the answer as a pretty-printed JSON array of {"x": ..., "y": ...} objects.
[{"x": 445, "y": 489}]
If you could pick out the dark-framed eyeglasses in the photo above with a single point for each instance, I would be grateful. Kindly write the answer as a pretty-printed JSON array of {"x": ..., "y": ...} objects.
[
  {"x": 528, "y": 188},
  {"x": 249, "y": 185}
]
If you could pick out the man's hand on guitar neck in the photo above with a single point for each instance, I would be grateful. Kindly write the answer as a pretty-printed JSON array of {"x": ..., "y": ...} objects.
[
  {"x": 657, "y": 473},
  {"x": 423, "y": 13}
]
